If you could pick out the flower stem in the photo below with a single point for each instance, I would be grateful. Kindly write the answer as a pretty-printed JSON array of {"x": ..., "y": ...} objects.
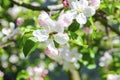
[{"x": 74, "y": 75}]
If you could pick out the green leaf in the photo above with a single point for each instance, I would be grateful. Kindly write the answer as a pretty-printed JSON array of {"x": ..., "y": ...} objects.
[
  {"x": 92, "y": 23},
  {"x": 73, "y": 35},
  {"x": 91, "y": 66},
  {"x": 55, "y": 16},
  {"x": 26, "y": 36},
  {"x": 92, "y": 53},
  {"x": 77, "y": 41},
  {"x": 22, "y": 75},
  {"x": 74, "y": 26},
  {"x": 30, "y": 45},
  {"x": 5, "y": 3}
]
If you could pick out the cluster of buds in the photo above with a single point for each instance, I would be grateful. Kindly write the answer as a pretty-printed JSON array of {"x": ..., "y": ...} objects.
[{"x": 37, "y": 73}]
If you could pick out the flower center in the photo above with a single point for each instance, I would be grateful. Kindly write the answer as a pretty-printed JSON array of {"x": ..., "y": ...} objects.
[
  {"x": 51, "y": 34},
  {"x": 79, "y": 10}
]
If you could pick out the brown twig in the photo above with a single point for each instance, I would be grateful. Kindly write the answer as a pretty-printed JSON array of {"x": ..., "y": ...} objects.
[
  {"x": 38, "y": 8},
  {"x": 101, "y": 16}
]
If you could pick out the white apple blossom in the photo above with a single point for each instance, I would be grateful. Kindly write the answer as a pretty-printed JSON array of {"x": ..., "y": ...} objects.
[
  {"x": 66, "y": 57},
  {"x": 52, "y": 29},
  {"x": 113, "y": 77},
  {"x": 81, "y": 9},
  {"x": 69, "y": 55},
  {"x": 14, "y": 11},
  {"x": 51, "y": 51},
  {"x": 70, "y": 58},
  {"x": 105, "y": 59}
]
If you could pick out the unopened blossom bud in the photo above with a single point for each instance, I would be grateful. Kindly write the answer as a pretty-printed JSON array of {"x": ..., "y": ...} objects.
[
  {"x": 19, "y": 21},
  {"x": 88, "y": 30},
  {"x": 65, "y": 3}
]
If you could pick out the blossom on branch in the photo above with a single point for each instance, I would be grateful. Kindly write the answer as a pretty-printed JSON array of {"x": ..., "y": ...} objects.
[
  {"x": 82, "y": 9},
  {"x": 52, "y": 29}
]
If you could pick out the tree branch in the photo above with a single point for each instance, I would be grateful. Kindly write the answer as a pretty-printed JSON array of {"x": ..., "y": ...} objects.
[
  {"x": 38, "y": 8},
  {"x": 100, "y": 15}
]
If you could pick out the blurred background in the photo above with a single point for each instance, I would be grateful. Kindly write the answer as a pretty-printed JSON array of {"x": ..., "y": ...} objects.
[{"x": 100, "y": 61}]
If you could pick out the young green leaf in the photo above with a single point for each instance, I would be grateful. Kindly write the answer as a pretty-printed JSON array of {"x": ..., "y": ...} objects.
[
  {"x": 30, "y": 45},
  {"x": 74, "y": 26}
]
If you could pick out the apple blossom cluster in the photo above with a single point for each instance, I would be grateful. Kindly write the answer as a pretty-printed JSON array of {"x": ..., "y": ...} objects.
[
  {"x": 81, "y": 9},
  {"x": 67, "y": 57},
  {"x": 8, "y": 31},
  {"x": 54, "y": 31},
  {"x": 37, "y": 73},
  {"x": 106, "y": 59}
]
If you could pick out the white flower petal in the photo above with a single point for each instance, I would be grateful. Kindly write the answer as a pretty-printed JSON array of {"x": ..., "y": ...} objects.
[
  {"x": 64, "y": 20},
  {"x": 52, "y": 52},
  {"x": 89, "y": 11},
  {"x": 46, "y": 22},
  {"x": 41, "y": 35},
  {"x": 95, "y": 3},
  {"x": 81, "y": 18},
  {"x": 59, "y": 27},
  {"x": 73, "y": 4},
  {"x": 83, "y": 3},
  {"x": 61, "y": 38}
]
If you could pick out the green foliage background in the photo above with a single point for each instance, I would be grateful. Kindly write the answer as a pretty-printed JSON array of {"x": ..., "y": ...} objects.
[{"x": 100, "y": 34}]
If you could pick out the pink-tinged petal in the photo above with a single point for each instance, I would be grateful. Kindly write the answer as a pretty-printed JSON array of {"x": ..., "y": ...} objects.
[
  {"x": 41, "y": 35},
  {"x": 51, "y": 52},
  {"x": 94, "y": 3},
  {"x": 65, "y": 19},
  {"x": 41, "y": 78},
  {"x": 61, "y": 38},
  {"x": 89, "y": 11},
  {"x": 45, "y": 20},
  {"x": 81, "y": 18},
  {"x": 30, "y": 78},
  {"x": 44, "y": 73},
  {"x": 42, "y": 17}
]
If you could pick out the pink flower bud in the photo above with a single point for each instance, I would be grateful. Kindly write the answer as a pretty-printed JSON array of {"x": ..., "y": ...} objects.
[
  {"x": 19, "y": 21},
  {"x": 65, "y": 3}
]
